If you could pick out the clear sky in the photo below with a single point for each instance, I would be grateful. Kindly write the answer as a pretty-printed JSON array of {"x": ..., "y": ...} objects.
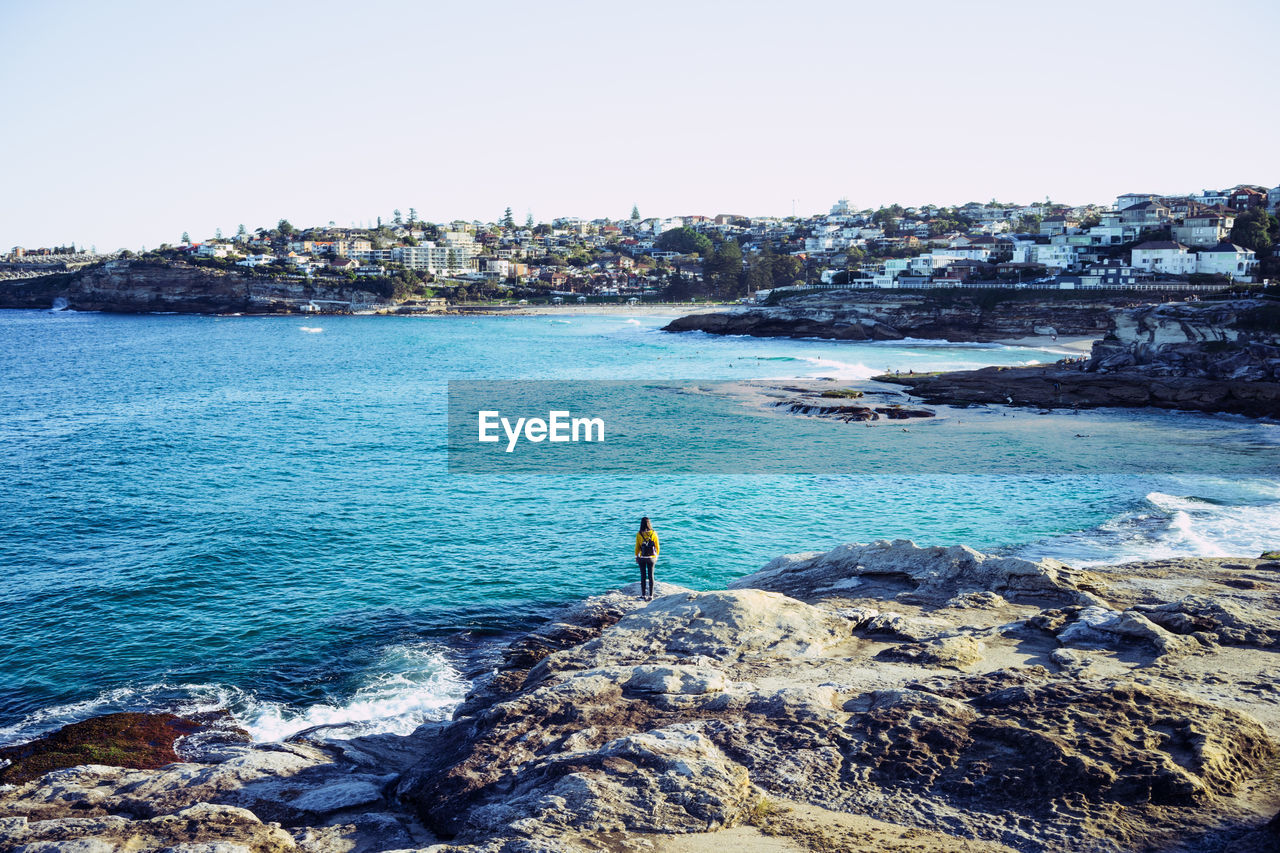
[{"x": 127, "y": 123}]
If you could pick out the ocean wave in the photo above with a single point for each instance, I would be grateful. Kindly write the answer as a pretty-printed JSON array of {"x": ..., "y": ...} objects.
[
  {"x": 312, "y": 330},
  {"x": 936, "y": 343},
  {"x": 408, "y": 685},
  {"x": 839, "y": 369},
  {"x": 1164, "y": 526}
]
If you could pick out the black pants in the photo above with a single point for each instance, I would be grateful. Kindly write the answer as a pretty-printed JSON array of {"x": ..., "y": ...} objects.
[{"x": 646, "y": 575}]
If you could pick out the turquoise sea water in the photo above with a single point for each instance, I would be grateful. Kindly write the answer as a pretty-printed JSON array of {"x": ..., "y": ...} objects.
[{"x": 256, "y": 513}]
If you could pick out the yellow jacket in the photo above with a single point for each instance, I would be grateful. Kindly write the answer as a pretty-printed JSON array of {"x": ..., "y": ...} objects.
[{"x": 640, "y": 538}]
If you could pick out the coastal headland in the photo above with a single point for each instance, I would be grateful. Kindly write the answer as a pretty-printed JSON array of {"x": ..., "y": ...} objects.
[
  {"x": 874, "y": 697},
  {"x": 950, "y": 315},
  {"x": 1213, "y": 357},
  {"x": 1221, "y": 356}
]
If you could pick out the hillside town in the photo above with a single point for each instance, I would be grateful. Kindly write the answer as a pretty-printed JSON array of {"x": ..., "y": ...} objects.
[{"x": 1143, "y": 241}]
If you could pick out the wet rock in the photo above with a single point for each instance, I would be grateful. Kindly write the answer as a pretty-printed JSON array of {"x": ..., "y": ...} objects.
[{"x": 122, "y": 740}]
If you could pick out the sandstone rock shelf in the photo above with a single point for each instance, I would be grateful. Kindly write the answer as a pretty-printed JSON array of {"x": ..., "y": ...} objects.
[
  {"x": 854, "y": 699},
  {"x": 882, "y": 316},
  {"x": 1212, "y": 357}
]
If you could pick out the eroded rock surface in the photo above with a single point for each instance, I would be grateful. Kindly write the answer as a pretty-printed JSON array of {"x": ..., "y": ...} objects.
[{"x": 999, "y": 702}]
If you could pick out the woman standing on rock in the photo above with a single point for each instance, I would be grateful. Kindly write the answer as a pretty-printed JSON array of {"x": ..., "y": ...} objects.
[{"x": 646, "y": 556}]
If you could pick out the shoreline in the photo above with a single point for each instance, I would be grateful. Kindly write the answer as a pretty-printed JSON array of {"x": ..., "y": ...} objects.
[
  {"x": 1065, "y": 344},
  {"x": 700, "y": 719},
  {"x": 641, "y": 310}
]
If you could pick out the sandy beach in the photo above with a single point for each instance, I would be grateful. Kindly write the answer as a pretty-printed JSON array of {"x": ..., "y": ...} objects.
[
  {"x": 1082, "y": 345},
  {"x": 673, "y": 309}
]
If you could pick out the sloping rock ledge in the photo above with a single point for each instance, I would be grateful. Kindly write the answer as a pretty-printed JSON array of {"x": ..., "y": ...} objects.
[{"x": 964, "y": 698}]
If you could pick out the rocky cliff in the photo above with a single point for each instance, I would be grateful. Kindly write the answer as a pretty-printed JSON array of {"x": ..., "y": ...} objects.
[
  {"x": 133, "y": 286},
  {"x": 958, "y": 316},
  {"x": 1204, "y": 356},
  {"x": 873, "y": 697}
]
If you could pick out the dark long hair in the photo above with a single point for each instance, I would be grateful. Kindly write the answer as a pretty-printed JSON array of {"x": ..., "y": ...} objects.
[{"x": 645, "y": 525}]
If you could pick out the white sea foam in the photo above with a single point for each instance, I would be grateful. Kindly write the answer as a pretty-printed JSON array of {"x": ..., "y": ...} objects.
[
  {"x": 407, "y": 686},
  {"x": 937, "y": 343},
  {"x": 839, "y": 369},
  {"x": 632, "y": 321},
  {"x": 1167, "y": 526},
  {"x": 182, "y": 699},
  {"x": 312, "y": 330}
]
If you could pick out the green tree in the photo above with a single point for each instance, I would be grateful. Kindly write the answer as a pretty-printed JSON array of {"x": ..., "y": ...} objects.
[
  {"x": 217, "y": 233},
  {"x": 413, "y": 215},
  {"x": 528, "y": 221},
  {"x": 635, "y": 213},
  {"x": 186, "y": 238},
  {"x": 759, "y": 277},
  {"x": 285, "y": 228},
  {"x": 685, "y": 240},
  {"x": 1252, "y": 231},
  {"x": 1029, "y": 224},
  {"x": 396, "y": 218},
  {"x": 508, "y": 221},
  {"x": 723, "y": 270},
  {"x": 786, "y": 270},
  {"x": 242, "y": 232},
  {"x": 678, "y": 288}
]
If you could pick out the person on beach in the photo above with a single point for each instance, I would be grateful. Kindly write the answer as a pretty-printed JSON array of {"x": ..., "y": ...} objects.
[{"x": 646, "y": 556}]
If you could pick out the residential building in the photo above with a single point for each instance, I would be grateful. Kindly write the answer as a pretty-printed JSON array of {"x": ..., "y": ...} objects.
[
  {"x": 450, "y": 258},
  {"x": 1210, "y": 198},
  {"x": 1146, "y": 214},
  {"x": 1227, "y": 259},
  {"x": 1204, "y": 228},
  {"x": 1243, "y": 198},
  {"x": 255, "y": 261},
  {"x": 214, "y": 250},
  {"x": 1058, "y": 224},
  {"x": 1108, "y": 275},
  {"x": 1054, "y": 256},
  {"x": 1130, "y": 199},
  {"x": 1110, "y": 231},
  {"x": 1163, "y": 256}
]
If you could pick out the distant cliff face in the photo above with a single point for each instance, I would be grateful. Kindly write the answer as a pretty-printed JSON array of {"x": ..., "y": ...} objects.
[
  {"x": 1211, "y": 357},
  {"x": 1237, "y": 340},
  {"x": 861, "y": 317},
  {"x": 145, "y": 286}
]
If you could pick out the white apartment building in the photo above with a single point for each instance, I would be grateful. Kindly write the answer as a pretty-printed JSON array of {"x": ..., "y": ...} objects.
[
  {"x": 1163, "y": 256},
  {"x": 1227, "y": 259},
  {"x": 447, "y": 259},
  {"x": 1055, "y": 256}
]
